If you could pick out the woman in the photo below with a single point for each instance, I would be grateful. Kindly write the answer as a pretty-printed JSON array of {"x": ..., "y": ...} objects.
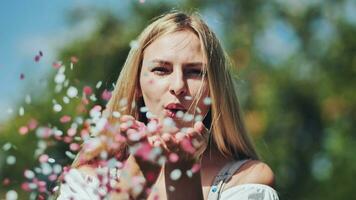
[{"x": 181, "y": 104}]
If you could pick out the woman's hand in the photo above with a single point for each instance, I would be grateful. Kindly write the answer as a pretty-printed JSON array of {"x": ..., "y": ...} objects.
[{"x": 185, "y": 146}]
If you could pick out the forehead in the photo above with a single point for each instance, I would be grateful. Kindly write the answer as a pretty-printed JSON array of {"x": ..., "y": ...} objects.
[{"x": 177, "y": 47}]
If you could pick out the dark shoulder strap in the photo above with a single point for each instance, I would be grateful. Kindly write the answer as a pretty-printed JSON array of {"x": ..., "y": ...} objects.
[{"x": 223, "y": 177}]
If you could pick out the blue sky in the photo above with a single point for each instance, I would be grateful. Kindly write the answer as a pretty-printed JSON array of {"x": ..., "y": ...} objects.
[{"x": 28, "y": 27}]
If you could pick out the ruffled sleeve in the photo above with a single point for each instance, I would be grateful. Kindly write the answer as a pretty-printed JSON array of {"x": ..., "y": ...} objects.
[
  {"x": 250, "y": 192},
  {"x": 78, "y": 186}
]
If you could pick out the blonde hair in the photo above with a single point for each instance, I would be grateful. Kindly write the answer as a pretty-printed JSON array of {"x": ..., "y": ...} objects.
[{"x": 227, "y": 126}]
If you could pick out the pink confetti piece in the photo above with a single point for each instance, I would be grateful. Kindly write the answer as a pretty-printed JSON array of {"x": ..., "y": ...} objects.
[
  {"x": 25, "y": 186},
  {"x": 23, "y": 130},
  {"x": 74, "y": 147},
  {"x": 65, "y": 119},
  {"x": 87, "y": 90},
  {"x": 57, "y": 64},
  {"x": 6, "y": 182},
  {"x": 71, "y": 132},
  {"x": 195, "y": 168},
  {"x": 106, "y": 95},
  {"x": 173, "y": 157},
  {"x": 43, "y": 158},
  {"x": 32, "y": 124},
  {"x": 187, "y": 146}
]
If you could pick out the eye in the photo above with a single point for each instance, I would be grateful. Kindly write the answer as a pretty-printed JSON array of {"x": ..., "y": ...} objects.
[
  {"x": 160, "y": 70},
  {"x": 194, "y": 72}
]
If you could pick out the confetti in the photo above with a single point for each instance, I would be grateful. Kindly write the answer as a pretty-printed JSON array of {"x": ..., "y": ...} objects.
[
  {"x": 23, "y": 130},
  {"x": 87, "y": 90},
  {"x": 106, "y": 95},
  {"x": 175, "y": 174},
  {"x": 116, "y": 114},
  {"x": 188, "y": 98},
  {"x": 173, "y": 157},
  {"x": 207, "y": 101},
  {"x": 28, "y": 99},
  {"x": 11, "y": 160},
  {"x": 59, "y": 78},
  {"x": 72, "y": 92},
  {"x": 22, "y": 76},
  {"x": 65, "y": 119},
  {"x": 29, "y": 174},
  {"x": 134, "y": 44},
  {"x": 21, "y": 111},
  {"x": 43, "y": 158},
  {"x": 98, "y": 85},
  {"x": 11, "y": 195},
  {"x": 57, "y": 64},
  {"x": 57, "y": 108},
  {"x": 7, "y": 146}
]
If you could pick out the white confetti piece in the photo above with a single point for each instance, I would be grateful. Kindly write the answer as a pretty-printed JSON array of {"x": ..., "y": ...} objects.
[
  {"x": 175, "y": 174},
  {"x": 98, "y": 85},
  {"x": 134, "y": 44},
  {"x": 46, "y": 169},
  {"x": 28, "y": 99},
  {"x": 198, "y": 118},
  {"x": 59, "y": 78},
  {"x": 180, "y": 114},
  {"x": 7, "y": 146},
  {"x": 188, "y": 117},
  {"x": 123, "y": 102},
  {"x": 171, "y": 188},
  {"x": 11, "y": 195},
  {"x": 143, "y": 109},
  {"x": 57, "y": 108},
  {"x": 66, "y": 100},
  {"x": 72, "y": 92},
  {"x": 188, "y": 98},
  {"x": 189, "y": 173},
  {"x": 21, "y": 111},
  {"x": 70, "y": 155},
  {"x": 207, "y": 101},
  {"x": 29, "y": 174},
  {"x": 116, "y": 114},
  {"x": 11, "y": 160}
]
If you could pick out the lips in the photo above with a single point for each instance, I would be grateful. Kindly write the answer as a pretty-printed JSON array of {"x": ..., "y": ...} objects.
[{"x": 173, "y": 108}]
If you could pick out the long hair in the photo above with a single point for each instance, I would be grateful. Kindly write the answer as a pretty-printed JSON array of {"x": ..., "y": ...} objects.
[{"x": 224, "y": 118}]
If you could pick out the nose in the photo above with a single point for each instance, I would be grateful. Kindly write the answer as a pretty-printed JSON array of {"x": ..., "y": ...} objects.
[{"x": 178, "y": 85}]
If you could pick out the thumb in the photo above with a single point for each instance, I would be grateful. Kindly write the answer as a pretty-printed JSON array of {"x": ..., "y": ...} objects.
[{"x": 200, "y": 128}]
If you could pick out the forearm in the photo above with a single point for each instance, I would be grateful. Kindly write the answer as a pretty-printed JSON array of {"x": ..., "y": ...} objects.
[{"x": 185, "y": 187}]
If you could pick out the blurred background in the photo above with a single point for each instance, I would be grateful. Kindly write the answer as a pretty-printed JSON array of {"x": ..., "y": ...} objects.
[{"x": 295, "y": 66}]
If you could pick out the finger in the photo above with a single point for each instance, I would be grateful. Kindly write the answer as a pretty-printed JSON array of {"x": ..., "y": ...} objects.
[
  {"x": 171, "y": 144},
  {"x": 133, "y": 135},
  {"x": 179, "y": 136},
  {"x": 199, "y": 127}
]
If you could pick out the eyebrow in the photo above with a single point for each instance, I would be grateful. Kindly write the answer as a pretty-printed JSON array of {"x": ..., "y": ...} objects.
[{"x": 190, "y": 64}]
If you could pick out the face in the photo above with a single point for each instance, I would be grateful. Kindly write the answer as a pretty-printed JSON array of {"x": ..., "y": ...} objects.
[{"x": 171, "y": 78}]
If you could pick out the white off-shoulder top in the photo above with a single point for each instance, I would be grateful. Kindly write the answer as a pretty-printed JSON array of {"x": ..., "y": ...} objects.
[
  {"x": 249, "y": 191},
  {"x": 84, "y": 187}
]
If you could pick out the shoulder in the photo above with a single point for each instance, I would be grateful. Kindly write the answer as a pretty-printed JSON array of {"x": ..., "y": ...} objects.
[{"x": 253, "y": 171}]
